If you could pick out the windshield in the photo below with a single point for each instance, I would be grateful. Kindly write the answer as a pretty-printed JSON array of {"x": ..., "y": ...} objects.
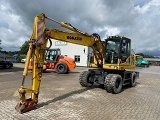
[
  {"x": 52, "y": 54},
  {"x": 113, "y": 46},
  {"x": 112, "y": 51}
]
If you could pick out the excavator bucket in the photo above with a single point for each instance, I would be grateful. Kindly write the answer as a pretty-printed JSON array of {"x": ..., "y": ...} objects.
[{"x": 28, "y": 105}]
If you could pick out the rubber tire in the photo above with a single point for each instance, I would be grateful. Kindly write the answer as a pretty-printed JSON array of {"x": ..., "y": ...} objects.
[
  {"x": 107, "y": 86},
  {"x": 133, "y": 80},
  {"x": 65, "y": 68},
  {"x": 114, "y": 79},
  {"x": 44, "y": 70},
  {"x": 84, "y": 79}
]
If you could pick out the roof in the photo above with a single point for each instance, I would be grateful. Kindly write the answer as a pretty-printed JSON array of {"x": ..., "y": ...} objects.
[{"x": 152, "y": 59}]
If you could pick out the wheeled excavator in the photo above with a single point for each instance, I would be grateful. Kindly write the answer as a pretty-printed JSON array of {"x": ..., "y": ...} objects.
[{"x": 111, "y": 66}]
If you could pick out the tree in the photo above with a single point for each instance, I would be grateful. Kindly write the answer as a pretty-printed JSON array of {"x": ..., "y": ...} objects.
[
  {"x": 11, "y": 53},
  {"x": 145, "y": 55},
  {"x": 24, "y": 48}
]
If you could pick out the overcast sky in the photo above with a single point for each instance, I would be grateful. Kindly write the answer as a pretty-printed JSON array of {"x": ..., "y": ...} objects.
[{"x": 136, "y": 19}]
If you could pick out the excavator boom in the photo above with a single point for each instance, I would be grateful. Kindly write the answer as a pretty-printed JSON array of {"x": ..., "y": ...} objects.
[
  {"x": 78, "y": 37},
  {"x": 92, "y": 41}
]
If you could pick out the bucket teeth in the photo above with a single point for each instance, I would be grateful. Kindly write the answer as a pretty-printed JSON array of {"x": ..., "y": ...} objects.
[{"x": 25, "y": 106}]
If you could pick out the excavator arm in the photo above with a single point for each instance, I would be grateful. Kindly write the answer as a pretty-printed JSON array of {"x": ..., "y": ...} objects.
[
  {"x": 37, "y": 49},
  {"x": 36, "y": 52},
  {"x": 92, "y": 41}
]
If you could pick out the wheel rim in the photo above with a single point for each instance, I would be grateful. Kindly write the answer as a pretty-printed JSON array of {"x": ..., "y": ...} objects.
[
  {"x": 133, "y": 80},
  {"x": 89, "y": 80},
  {"x": 7, "y": 66},
  {"x": 60, "y": 68}
]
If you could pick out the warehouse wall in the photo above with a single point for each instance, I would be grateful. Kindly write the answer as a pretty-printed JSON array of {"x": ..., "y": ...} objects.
[{"x": 72, "y": 50}]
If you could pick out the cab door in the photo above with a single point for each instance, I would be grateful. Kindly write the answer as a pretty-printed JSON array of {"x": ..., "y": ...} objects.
[{"x": 127, "y": 57}]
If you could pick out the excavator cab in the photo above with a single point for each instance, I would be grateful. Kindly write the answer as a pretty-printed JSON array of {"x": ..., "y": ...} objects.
[
  {"x": 117, "y": 53},
  {"x": 112, "y": 51},
  {"x": 117, "y": 48}
]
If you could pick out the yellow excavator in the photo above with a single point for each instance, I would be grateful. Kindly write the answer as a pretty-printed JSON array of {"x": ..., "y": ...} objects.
[{"x": 111, "y": 65}]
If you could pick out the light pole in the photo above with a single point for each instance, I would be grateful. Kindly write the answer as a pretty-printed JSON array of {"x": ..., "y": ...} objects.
[{"x": 0, "y": 44}]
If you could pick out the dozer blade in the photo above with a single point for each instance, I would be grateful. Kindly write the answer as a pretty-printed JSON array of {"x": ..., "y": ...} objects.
[{"x": 28, "y": 105}]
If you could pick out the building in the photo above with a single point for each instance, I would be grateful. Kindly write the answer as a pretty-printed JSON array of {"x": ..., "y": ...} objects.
[
  {"x": 74, "y": 51},
  {"x": 153, "y": 61},
  {"x": 4, "y": 56}
]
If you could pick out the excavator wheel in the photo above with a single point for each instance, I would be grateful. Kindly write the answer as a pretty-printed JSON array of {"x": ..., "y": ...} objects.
[
  {"x": 85, "y": 79},
  {"x": 61, "y": 68},
  {"x": 133, "y": 80},
  {"x": 107, "y": 85},
  {"x": 114, "y": 83}
]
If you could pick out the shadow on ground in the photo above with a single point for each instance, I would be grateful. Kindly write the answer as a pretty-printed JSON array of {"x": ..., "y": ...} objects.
[
  {"x": 64, "y": 96},
  {"x": 14, "y": 69},
  {"x": 125, "y": 87},
  {"x": 70, "y": 72}
]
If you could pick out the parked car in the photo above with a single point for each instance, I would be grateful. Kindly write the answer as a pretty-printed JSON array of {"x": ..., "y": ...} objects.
[
  {"x": 23, "y": 60},
  {"x": 6, "y": 64}
]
